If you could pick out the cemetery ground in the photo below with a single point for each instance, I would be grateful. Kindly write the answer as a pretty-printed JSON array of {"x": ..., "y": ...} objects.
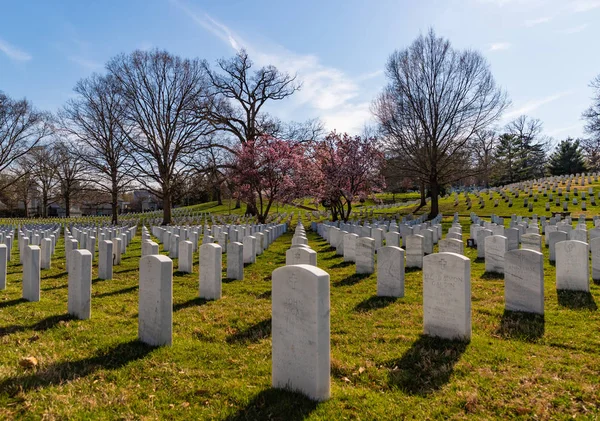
[{"x": 219, "y": 366}]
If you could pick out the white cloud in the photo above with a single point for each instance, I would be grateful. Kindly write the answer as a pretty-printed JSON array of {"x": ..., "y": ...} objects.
[
  {"x": 534, "y": 104},
  {"x": 499, "y": 46},
  {"x": 87, "y": 64},
  {"x": 575, "y": 29},
  {"x": 555, "y": 132},
  {"x": 13, "y": 52},
  {"x": 537, "y": 21},
  {"x": 582, "y": 5},
  {"x": 327, "y": 92}
]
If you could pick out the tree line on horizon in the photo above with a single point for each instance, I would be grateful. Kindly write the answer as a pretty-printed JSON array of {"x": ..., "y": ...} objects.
[{"x": 187, "y": 132}]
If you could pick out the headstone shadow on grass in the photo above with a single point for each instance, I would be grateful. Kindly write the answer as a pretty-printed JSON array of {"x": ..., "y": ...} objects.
[
  {"x": 57, "y": 373},
  {"x": 42, "y": 325},
  {"x": 496, "y": 276},
  {"x": 277, "y": 405},
  {"x": 427, "y": 366},
  {"x": 528, "y": 327},
  {"x": 342, "y": 265},
  {"x": 252, "y": 334},
  {"x": 11, "y": 303},
  {"x": 374, "y": 303},
  {"x": 117, "y": 292},
  {"x": 576, "y": 300},
  {"x": 352, "y": 279},
  {"x": 189, "y": 303}
]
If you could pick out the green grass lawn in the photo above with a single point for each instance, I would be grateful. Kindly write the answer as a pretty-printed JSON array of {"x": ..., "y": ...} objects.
[{"x": 219, "y": 366}]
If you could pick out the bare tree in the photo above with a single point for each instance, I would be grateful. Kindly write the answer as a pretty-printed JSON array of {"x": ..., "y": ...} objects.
[
  {"x": 483, "y": 146},
  {"x": 436, "y": 100},
  {"x": 531, "y": 145},
  {"x": 239, "y": 95},
  {"x": 592, "y": 114},
  {"x": 95, "y": 120},
  {"x": 164, "y": 101},
  {"x": 21, "y": 129},
  {"x": 70, "y": 173},
  {"x": 43, "y": 164},
  {"x": 238, "y": 99}
]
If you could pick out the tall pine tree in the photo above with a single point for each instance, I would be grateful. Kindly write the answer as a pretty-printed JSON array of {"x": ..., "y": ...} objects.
[{"x": 567, "y": 159}]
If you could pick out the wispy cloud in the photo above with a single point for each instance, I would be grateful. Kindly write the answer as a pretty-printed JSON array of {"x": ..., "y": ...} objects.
[
  {"x": 532, "y": 105},
  {"x": 558, "y": 131},
  {"x": 537, "y": 21},
  {"x": 13, "y": 52},
  {"x": 216, "y": 28},
  {"x": 499, "y": 46},
  {"x": 582, "y": 5},
  {"x": 330, "y": 93},
  {"x": 85, "y": 63},
  {"x": 575, "y": 29}
]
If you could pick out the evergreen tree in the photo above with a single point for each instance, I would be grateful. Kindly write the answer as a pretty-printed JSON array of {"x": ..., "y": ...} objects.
[
  {"x": 567, "y": 159},
  {"x": 506, "y": 159}
]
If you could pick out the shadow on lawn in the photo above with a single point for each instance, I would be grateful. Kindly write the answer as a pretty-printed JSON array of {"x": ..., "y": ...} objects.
[
  {"x": 352, "y": 280},
  {"x": 61, "y": 372},
  {"x": 374, "y": 303},
  {"x": 42, "y": 325},
  {"x": 426, "y": 366},
  {"x": 11, "y": 303},
  {"x": 528, "y": 327},
  {"x": 254, "y": 333},
  {"x": 190, "y": 303},
  {"x": 276, "y": 405},
  {"x": 342, "y": 265},
  {"x": 117, "y": 292},
  {"x": 494, "y": 276},
  {"x": 576, "y": 300}
]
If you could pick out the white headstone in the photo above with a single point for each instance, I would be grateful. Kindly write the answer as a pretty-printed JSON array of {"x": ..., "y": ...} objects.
[
  {"x": 210, "y": 271},
  {"x": 105, "y": 259},
  {"x": 595, "y": 248},
  {"x": 3, "y": 265},
  {"x": 155, "y": 318},
  {"x": 31, "y": 273},
  {"x": 46, "y": 251},
  {"x": 555, "y": 237},
  {"x": 524, "y": 281},
  {"x": 350, "y": 247},
  {"x": 186, "y": 256},
  {"x": 495, "y": 248},
  {"x": 450, "y": 245},
  {"x": 572, "y": 266},
  {"x": 249, "y": 249},
  {"x": 80, "y": 284},
  {"x": 365, "y": 255},
  {"x": 447, "y": 296},
  {"x": 531, "y": 242},
  {"x": 235, "y": 260},
  {"x": 301, "y": 256},
  {"x": 414, "y": 251},
  {"x": 390, "y": 272},
  {"x": 300, "y": 330}
]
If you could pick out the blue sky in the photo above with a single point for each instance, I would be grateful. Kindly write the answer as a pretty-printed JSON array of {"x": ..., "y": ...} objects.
[{"x": 543, "y": 52}]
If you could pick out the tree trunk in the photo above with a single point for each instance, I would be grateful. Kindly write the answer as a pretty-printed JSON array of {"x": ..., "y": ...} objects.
[
  {"x": 26, "y": 207},
  {"x": 238, "y": 203},
  {"x": 166, "y": 207},
  {"x": 434, "y": 189},
  {"x": 422, "y": 191},
  {"x": 44, "y": 205},
  {"x": 67, "y": 205},
  {"x": 219, "y": 197},
  {"x": 347, "y": 215},
  {"x": 114, "y": 207}
]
